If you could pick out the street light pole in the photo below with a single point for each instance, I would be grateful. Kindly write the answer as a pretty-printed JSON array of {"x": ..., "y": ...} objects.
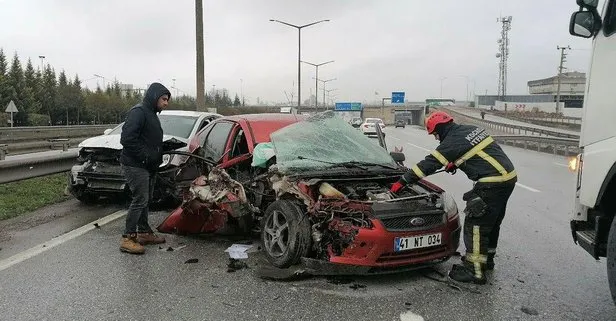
[
  {"x": 42, "y": 64},
  {"x": 442, "y": 78},
  {"x": 324, "y": 81},
  {"x": 299, "y": 55},
  {"x": 316, "y": 82}
]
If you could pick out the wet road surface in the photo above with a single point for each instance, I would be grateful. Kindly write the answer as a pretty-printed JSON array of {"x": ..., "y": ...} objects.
[{"x": 540, "y": 273}]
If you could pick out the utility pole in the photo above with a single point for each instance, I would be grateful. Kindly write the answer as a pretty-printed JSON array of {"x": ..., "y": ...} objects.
[
  {"x": 503, "y": 54},
  {"x": 563, "y": 55},
  {"x": 324, "y": 81},
  {"x": 200, "y": 55}
]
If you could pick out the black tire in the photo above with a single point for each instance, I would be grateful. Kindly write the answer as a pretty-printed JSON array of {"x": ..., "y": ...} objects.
[
  {"x": 611, "y": 260},
  {"x": 295, "y": 238}
]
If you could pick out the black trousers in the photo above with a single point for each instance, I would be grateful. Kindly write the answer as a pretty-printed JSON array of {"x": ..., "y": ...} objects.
[
  {"x": 141, "y": 183},
  {"x": 481, "y": 233}
]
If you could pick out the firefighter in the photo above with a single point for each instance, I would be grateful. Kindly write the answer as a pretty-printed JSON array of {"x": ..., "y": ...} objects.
[{"x": 472, "y": 150}]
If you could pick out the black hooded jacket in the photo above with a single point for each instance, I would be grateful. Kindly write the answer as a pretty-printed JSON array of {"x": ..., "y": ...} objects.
[
  {"x": 142, "y": 135},
  {"x": 472, "y": 150}
]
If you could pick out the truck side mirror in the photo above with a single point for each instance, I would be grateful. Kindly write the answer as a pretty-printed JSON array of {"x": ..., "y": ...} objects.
[{"x": 584, "y": 24}]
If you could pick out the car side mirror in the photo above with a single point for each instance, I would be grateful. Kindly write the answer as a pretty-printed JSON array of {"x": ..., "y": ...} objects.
[
  {"x": 107, "y": 131},
  {"x": 398, "y": 157},
  {"x": 584, "y": 24}
]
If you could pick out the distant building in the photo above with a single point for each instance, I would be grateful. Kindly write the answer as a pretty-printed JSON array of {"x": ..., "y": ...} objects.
[
  {"x": 543, "y": 94},
  {"x": 571, "y": 84}
]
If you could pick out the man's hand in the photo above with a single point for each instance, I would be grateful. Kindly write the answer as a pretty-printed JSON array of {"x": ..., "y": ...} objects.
[{"x": 396, "y": 187}]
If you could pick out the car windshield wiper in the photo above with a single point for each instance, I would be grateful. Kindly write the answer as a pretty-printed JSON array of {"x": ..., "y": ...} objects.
[{"x": 357, "y": 164}]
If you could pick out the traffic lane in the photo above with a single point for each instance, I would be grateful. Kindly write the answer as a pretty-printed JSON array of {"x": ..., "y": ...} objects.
[
  {"x": 535, "y": 240},
  {"x": 88, "y": 278},
  {"x": 22, "y": 232}
]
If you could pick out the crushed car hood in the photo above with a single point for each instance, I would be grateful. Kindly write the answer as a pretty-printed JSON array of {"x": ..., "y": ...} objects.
[{"x": 113, "y": 141}]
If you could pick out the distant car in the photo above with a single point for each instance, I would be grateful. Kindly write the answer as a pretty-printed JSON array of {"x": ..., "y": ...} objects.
[
  {"x": 98, "y": 171},
  {"x": 356, "y": 122},
  {"x": 368, "y": 126},
  {"x": 400, "y": 123}
]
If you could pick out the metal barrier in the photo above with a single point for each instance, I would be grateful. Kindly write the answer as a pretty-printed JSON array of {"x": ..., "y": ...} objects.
[
  {"x": 510, "y": 128},
  {"x": 557, "y": 146},
  {"x": 19, "y": 167}
]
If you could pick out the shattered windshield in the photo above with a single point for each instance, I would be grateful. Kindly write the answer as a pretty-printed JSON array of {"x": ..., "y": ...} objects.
[
  {"x": 328, "y": 137},
  {"x": 173, "y": 125}
]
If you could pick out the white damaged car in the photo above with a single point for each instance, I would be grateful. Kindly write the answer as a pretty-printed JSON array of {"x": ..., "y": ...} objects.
[{"x": 98, "y": 171}]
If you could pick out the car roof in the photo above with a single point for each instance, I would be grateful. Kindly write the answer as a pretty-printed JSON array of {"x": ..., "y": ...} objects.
[
  {"x": 262, "y": 125},
  {"x": 191, "y": 113}
]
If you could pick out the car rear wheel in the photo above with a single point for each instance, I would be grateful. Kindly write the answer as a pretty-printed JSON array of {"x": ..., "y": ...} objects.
[{"x": 285, "y": 233}]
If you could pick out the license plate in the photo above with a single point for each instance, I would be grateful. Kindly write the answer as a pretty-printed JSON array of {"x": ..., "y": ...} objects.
[{"x": 416, "y": 242}]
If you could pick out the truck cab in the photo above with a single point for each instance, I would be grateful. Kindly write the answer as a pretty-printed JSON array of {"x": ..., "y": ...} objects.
[{"x": 592, "y": 224}]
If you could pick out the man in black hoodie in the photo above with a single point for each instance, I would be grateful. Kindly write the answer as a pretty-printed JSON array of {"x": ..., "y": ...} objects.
[
  {"x": 474, "y": 151},
  {"x": 142, "y": 138}
]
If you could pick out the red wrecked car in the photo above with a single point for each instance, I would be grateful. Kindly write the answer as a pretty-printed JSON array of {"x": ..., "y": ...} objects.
[{"x": 317, "y": 191}]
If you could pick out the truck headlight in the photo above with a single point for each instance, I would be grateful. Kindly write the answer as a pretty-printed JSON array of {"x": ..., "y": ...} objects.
[{"x": 574, "y": 163}]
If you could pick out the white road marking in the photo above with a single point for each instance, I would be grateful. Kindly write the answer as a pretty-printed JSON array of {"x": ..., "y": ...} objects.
[
  {"x": 416, "y": 146},
  {"x": 528, "y": 188},
  {"x": 395, "y": 138},
  {"x": 36, "y": 250},
  {"x": 410, "y": 316},
  {"x": 559, "y": 164}
]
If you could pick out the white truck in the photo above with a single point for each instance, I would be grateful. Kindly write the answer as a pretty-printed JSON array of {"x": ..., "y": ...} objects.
[{"x": 593, "y": 225}]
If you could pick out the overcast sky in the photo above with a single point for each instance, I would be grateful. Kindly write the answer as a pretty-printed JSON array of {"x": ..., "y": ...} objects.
[{"x": 378, "y": 45}]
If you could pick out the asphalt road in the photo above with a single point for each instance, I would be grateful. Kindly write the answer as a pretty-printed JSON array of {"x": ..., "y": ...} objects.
[{"x": 540, "y": 274}]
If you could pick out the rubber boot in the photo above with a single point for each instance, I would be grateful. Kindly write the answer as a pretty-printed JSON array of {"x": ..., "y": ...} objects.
[{"x": 465, "y": 274}]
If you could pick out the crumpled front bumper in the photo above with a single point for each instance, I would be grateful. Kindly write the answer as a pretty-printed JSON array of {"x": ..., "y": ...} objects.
[{"x": 98, "y": 177}]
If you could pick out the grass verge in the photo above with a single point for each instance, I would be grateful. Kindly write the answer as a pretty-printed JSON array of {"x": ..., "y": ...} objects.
[{"x": 20, "y": 197}]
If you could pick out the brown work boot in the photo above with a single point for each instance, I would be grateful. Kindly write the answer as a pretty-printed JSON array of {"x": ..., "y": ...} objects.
[
  {"x": 149, "y": 238},
  {"x": 129, "y": 244}
]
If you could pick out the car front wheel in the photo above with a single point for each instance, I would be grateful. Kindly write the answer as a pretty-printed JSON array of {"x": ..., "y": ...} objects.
[{"x": 285, "y": 233}]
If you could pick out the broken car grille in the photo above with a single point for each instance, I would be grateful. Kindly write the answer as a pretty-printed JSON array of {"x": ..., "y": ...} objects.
[{"x": 413, "y": 223}]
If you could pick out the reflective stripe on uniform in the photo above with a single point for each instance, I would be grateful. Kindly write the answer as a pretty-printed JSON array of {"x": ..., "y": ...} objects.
[
  {"x": 479, "y": 147},
  {"x": 440, "y": 157},
  {"x": 418, "y": 171},
  {"x": 476, "y": 258},
  {"x": 498, "y": 179},
  {"x": 492, "y": 162}
]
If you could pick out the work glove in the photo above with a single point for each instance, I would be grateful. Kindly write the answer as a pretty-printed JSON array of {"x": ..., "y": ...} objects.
[
  {"x": 451, "y": 168},
  {"x": 396, "y": 187}
]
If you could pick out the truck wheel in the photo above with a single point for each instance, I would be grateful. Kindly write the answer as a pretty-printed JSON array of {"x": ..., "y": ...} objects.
[
  {"x": 285, "y": 233},
  {"x": 611, "y": 260}
]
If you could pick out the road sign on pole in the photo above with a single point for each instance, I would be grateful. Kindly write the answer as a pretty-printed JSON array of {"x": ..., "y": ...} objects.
[
  {"x": 348, "y": 106},
  {"x": 397, "y": 97},
  {"x": 11, "y": 108}
]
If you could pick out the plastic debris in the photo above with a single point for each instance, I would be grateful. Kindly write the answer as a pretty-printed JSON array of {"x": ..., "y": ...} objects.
[{"x": 238, "y": 251}]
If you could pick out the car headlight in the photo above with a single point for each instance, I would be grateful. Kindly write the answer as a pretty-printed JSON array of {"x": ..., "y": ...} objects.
[
  {"x": 449, "y": 205},
  {"x": 166, "y": 160}
]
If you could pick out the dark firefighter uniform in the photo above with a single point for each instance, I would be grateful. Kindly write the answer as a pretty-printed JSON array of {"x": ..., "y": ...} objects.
[{"x": 474, "y": 151}]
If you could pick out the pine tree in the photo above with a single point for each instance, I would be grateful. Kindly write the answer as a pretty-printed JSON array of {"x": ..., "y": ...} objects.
[
  {"x": 4, "y": 92},
  {"x": 61, "y": 112},
  {"x": 48, "y": 94},
  {"x": 16, "y": 87},
  {"x": 31, "y": 103},
  {"x": 236, "y": 101}
]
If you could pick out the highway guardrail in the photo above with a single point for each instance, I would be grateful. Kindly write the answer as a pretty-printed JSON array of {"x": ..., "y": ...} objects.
[
  {"x": 20, "y": 167},
  {"x": 554, "y": 145},
  {"x": 513, "y": 129}
]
